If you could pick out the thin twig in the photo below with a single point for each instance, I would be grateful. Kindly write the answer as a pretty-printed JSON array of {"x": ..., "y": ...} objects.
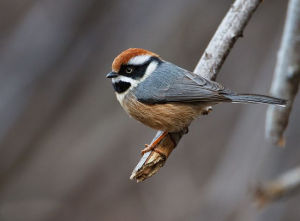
[
  {"x": 230, "y": 29},
  {"x": 286, "y": 76},
  {"x": 279, "y": 188}
]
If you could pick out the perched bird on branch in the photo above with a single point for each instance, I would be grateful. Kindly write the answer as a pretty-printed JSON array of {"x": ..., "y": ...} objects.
[{"x": 166, "y": 97}]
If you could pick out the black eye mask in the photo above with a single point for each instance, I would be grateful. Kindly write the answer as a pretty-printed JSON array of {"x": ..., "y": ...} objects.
[{"x": 138, "y": 71}]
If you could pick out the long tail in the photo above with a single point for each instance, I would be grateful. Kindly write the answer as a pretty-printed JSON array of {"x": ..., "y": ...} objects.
[{"x": 255, "y": 98}]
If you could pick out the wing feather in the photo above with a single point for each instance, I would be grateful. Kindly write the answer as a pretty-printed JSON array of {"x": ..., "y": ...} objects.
[{"x": 179, "y": 86}]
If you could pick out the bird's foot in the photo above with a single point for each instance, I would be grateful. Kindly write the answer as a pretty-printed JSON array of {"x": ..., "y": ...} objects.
[
  {"x": 207, "y": 110},
  {"x": 154, "y": 144},
  {"x": 150, "y": 148}
]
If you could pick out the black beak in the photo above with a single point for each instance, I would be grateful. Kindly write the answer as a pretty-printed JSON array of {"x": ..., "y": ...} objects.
[{"x": 112, "y": 75}]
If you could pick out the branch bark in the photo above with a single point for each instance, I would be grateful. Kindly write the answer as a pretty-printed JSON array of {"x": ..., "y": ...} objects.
[
  {"x": 279, "y": 188},
  {"x": 286, "y": 76},
  {"x": 230, "y": 29}
]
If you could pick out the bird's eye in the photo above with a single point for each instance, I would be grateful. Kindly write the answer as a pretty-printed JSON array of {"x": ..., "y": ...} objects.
[{"x": 129, "y": 70}]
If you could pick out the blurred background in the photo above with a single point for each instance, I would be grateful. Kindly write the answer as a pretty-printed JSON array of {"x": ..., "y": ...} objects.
[{"x": 67, "y": 148}]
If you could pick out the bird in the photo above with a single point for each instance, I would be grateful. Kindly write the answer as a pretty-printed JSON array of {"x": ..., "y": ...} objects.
[{"x": 166, "y": 97}]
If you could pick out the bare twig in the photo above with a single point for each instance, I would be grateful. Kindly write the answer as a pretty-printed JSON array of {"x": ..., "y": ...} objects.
[
  {"x": 277, "y": 189},
  {"x": 208, "y": 66},
  {"x": 152, "y": 161},
  {"x": 287, "y": 75}
]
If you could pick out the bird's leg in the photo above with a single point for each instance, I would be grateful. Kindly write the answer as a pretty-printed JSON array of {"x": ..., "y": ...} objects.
[{"x": 154, "y": 144}]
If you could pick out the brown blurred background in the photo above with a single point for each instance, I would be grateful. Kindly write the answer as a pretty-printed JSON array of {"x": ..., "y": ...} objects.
[{"x": 67, "y": 148}]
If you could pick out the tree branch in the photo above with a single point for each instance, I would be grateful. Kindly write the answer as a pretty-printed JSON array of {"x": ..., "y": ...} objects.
[
  {"x": 286, "y": 76},
  {"x": 230, "y": 29},
  {"x": 279, "y": 188}
]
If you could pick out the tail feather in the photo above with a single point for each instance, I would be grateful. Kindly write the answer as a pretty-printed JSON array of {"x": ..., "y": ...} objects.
[{"x": 256, "y": 98}]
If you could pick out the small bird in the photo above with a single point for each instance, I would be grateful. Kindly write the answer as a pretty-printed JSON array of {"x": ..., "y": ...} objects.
[{"x": 166, "y": 97}]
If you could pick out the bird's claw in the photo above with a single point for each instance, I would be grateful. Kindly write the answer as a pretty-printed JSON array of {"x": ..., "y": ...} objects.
[
  {"x": 154, "y": 144},
  {"x": 147, "y": 148},
  {"x": 151, "y": 148}
]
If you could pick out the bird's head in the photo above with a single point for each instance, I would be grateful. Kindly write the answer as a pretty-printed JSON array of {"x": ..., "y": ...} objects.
[{"x": 131, "y": 67}]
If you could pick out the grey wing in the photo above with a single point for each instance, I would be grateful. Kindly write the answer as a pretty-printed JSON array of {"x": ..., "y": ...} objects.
[{"x": 179, "y": 86}]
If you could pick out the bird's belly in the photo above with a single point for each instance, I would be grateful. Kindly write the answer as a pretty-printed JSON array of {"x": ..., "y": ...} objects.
[{"x": 171, "y": 117}]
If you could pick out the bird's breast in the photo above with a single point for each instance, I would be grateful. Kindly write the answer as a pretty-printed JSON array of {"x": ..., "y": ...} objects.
[{"x": 171, "y": 117}]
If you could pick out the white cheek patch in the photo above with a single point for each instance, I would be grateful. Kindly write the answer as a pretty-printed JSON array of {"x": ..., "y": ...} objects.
[
  {"x": 133, "y": 82},
  {"x": 150, "y": 69},
  {"x": 139, "y": 60}
]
